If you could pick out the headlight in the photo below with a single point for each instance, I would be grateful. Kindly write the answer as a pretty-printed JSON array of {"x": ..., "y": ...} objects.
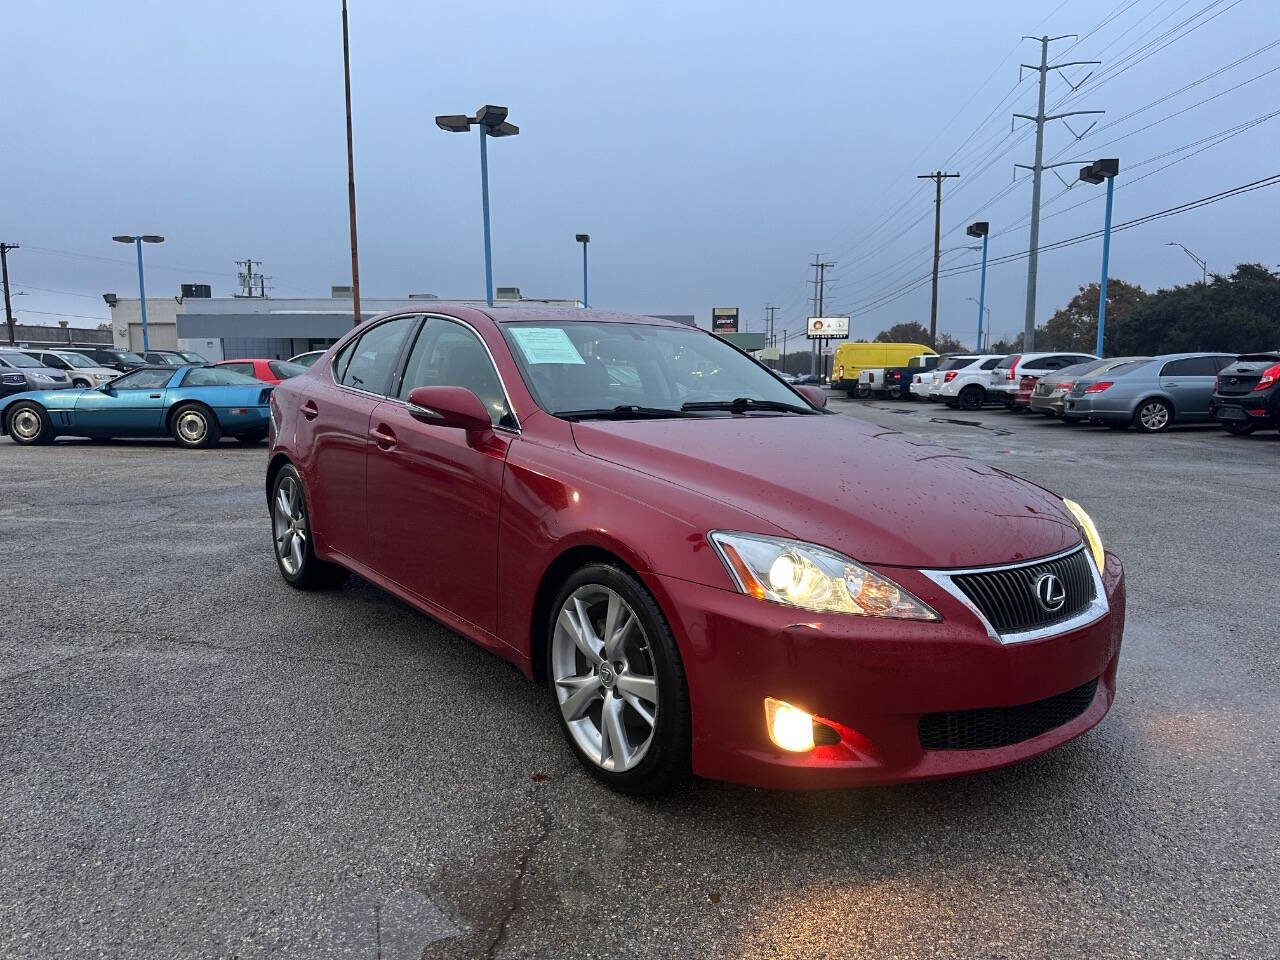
[
  {"x": 42, "y": 377},
  {"x": 813, "y": 578},
  {"x": 1088, "y": 531}
]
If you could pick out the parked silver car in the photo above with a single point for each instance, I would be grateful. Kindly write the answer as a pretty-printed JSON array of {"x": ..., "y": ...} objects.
[
  {"x": 19, "y": 373},
  {"x": 1150, "y": 395},
  {"x": 1050, "y": 394},
  {"x": 82, "y": 371}
]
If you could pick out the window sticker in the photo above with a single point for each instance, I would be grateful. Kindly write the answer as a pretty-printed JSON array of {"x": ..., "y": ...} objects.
[{"x": 546, "y": 345}]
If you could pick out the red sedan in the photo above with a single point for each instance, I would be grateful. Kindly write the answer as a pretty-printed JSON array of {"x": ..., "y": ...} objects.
[
  {"x": 1026, "y": 387},
  {"x": 707, "y": 570},
  {"x": 268, "y": 371}
]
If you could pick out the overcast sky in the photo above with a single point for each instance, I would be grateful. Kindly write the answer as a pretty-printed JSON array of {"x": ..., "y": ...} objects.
[{"x": 709, "y": 148}]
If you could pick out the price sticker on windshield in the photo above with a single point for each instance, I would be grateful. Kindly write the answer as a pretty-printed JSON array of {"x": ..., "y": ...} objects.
[{"x": 546, "y": 345}]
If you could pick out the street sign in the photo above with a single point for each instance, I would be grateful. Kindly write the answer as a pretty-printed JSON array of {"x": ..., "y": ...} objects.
[
  {"x": 724, "y": 319},
  {"x": 828, "y": 328},
  {"x": 770, "y": 353}
]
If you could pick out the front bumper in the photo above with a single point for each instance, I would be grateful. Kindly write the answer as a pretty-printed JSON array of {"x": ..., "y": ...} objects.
[{"x": 872, "y": 680}]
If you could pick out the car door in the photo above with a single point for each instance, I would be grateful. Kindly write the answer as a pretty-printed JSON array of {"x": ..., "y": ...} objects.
[
  {"x": 129, "y": 406},
  {"x": 1189, "y": 383},
  {"x": 434, "y": 492}
]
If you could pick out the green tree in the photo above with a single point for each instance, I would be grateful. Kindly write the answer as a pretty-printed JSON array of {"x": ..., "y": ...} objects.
[
  {"x": 1075, "y": 326},
  {"x": 949, "y": 344},
  {"x": 909, "y": 332}
]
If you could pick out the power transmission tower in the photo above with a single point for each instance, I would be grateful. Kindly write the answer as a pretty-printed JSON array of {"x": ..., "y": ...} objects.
[
  {"x": 1038, "y": 168},
  {"x": 8, "y": 306},
  {"x": 937, "y": 177},
  {"x": 819, "y": 282}
]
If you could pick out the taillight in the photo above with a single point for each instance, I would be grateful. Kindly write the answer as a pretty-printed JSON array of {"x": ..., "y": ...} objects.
[
  {"x": 897, "y": 374},
  {"x": 1269, "y": 376},
  {"x": 949, "y": 376},
  {"x": 1099, "y": 386},
  {"x": 1010, "y": 374}
]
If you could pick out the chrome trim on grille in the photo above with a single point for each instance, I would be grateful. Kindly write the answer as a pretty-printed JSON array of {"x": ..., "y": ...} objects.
[{"x": 1096, "y": 610}]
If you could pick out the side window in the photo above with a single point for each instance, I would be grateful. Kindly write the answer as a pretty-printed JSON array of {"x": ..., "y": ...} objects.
[
  {"x": 52, "y": 360},
  {"x": 447, "y": 354},
  {"x": 373, "y": 356},
  {"x": 1189, "y": 367},
  {"x": 143, "y": 380},
  {"x": 990, "y": 364},
  {"x": 245, "y": 368},
  {"x": 219, "y": 376}
]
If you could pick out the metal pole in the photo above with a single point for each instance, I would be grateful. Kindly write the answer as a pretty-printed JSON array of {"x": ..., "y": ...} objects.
[
  {"x": 585, "y": 302},
  {"x": 1106, "y": 258},
  {"x": 8, "y": 306},
  {"x": 142, "y": 294},
  {"x": 351, "y": 175},
  {"x": 484, "y": 198},
  {"x": 1033, "y": 255},
  {"x": 982, "y": 291},
  {"x": 937, "y": 254}
]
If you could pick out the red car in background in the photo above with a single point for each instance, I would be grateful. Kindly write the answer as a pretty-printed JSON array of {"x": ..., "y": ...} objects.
[
  {"x": 707, "y": 570},
  {"x": 268, "y": 371},
  {"x": 1026, "y": 387}
]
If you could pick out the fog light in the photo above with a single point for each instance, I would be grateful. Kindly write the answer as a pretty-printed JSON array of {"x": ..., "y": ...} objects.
[{"x": 789, "y": 727}]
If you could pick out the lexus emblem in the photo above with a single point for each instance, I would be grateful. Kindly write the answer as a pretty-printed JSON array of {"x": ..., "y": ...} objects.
[{"x": 1050, "y": 592}]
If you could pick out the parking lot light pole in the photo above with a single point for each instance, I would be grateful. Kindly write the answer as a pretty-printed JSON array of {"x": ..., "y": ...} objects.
[
  {"x": 981, "y": 308},
  {"x": 584, "y": 239},
  {"x": 1095, "y": 173},
  {"x": 492, "y": 122},
  {"x": 138, "y": 241},
  {"x": 1200, "y": 261},
  {"x": 981, "y": 228}
]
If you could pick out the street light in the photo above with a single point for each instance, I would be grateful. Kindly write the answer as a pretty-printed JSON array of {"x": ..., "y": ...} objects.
[
  {"x": 583, "y": 239},
  {"x": 980, "y": 228},
  {"x": 982, "y": 308},
  {"x": 138, "y": 241},
  {"x": 1201, "y": 263},
  {"x": 492, "y": 122},
  {"x": 1095, "y": 173}
]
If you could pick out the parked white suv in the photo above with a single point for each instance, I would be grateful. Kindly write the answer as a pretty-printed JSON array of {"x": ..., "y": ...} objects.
[
  {"x": 1007, "y": 374},
  {"x": 967, "y": 386},
  {"x": 925, "y": 385}
]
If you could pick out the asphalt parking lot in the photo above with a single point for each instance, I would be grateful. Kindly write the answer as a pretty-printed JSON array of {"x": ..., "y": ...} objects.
[{"x": 200, "y": 762}]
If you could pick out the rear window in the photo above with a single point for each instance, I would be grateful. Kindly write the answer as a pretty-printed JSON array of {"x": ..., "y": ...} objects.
[
  {"x": 990, "y": 364},
  {"x": 1008, "y": 361},
  {"x": 284, "y": 369},
  {"x": 956, "y": 363}
]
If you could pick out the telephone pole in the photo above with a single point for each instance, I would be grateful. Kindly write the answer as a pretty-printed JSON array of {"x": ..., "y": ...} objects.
[
  {"x": 8, "y": 306},
  {"x": 351, "y": 170},
  {"x": 820, "y": 268},
  {"x": 770, "y": 309},
  {"x": 937, "y": 177},
  {"x": 1038, "y": 168},
  {"x": 248, "y": 279}
]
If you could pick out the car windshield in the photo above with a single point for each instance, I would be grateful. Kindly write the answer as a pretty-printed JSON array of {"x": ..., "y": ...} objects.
[
  {"x": 19, "y": 360},
  {"x": 78, "y": 360},
  {"x": 128, "y": 357},
  {"x": 172, "y": 357},
  {"x": 640, "y": 369},
  {"x": 192, "y": 357}
]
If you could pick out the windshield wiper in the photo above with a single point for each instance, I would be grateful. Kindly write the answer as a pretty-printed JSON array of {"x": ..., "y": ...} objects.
[
  {"x": 625, "y": 411},
  {"x": 743, "y": 404}
]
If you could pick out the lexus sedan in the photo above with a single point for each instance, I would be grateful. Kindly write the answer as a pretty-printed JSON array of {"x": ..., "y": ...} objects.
[{"x": 706, "y": 570}]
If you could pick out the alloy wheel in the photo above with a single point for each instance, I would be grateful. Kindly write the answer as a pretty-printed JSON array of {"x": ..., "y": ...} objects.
[
  {"x": 604, "y": 677},
  {"x": 192, "y": 426},
  {"x": 1154, "y": 416},
  {"x": 26, "y": 424},
  {"x": 289, "y": 525}
]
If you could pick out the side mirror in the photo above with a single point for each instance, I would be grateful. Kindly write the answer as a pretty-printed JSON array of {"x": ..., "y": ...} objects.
[
  {"x": 815, "y": 395},
  {"x": 450, "y": 407}
]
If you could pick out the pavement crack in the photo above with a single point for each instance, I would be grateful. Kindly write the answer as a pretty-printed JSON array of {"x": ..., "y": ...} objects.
[{"x": 515, "y": 891}]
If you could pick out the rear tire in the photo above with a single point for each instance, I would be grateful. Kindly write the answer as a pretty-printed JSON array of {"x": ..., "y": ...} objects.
[
  {"x": 80, "y": 382},
  {"x": 1236, "y": 428},
  {"x": 1153, "y": 416},
  {"x": 194, "y": 426},
  {"x": 972, "y": 397},
  {"x": 28, "y": 424},
  {"x": 292, "y": 538}
]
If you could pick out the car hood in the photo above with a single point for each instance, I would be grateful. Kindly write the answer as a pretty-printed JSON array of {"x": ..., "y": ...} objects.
[
  {"x": 867, "y": 492},
  {"x": 64, "y": 399}
]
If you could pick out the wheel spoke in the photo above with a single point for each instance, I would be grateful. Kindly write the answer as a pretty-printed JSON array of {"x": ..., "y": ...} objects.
[
  {"x": 295, "y": 501},
  {"x": 640, "y": 707},
  {"x": 295, "y": 550},
  {"x": 282, "y": 505},
  {"x": 579, "y": 626},
  {"x": 617, "y": 626},
  {"x": 613, "y": 732},
  {"x": 285, "y": 542},
  {"x": 582, "y": 691},
  {"x": 645, "y": 688}
]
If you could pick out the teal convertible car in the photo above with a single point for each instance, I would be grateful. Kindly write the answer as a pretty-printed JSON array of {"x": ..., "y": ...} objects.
[{"x": 196, "y": 405}]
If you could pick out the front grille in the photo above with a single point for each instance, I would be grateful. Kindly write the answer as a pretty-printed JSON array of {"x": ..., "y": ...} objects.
[
  {"x": 1007, "y": 595},
  {"x": 993, "y": 727}
]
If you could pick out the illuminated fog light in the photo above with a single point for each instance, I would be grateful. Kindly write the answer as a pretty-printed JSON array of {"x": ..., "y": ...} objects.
[{"x": 789, "y": 727}]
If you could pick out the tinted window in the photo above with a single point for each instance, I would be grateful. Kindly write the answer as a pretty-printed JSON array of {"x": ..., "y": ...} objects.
[
  {"x": 1221, "y": 363},
  {"x": 16, "y": 359},
  {"x": 1035, "y": 363},
  {"x": 142, "y": 380},
  {"x": 448, "y": 354},
  {"x": 374, "y": 356},
  {"x": 956, "y": 363},
  {"x": 53, "y": 360},
  {"x": 284, "y": 369},
  {"x": 128, "y": 357},
  {"x": 990, "y": 364},
  {"x": 1190, "y": 367},
  {"x": 1006, "y": 362},
  {"x": 193, "y": 357},
  {"x": 75, "y": 360},
  {"x": 217, "y": 377},
  {"x": 243, "y": 368}
]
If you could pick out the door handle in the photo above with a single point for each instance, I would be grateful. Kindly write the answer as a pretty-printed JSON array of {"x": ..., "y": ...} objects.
[
  {"x": 154, "y": 396},
  {"x": 383, "y": 436},
  {"x": 309, "y": 410}
]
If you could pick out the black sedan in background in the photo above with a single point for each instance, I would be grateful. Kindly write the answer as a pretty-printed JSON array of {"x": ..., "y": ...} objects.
[{"x": 1247, "y": 395}]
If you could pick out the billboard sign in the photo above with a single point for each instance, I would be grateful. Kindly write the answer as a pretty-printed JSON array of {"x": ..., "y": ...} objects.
[
  {"x": 828, "y": 328},
  {"x": 724, "y": 319}
]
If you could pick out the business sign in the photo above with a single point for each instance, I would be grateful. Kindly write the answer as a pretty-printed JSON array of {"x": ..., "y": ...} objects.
[
  {"x": 828, "y": 328},
  {"x": 724, "y": 319}
]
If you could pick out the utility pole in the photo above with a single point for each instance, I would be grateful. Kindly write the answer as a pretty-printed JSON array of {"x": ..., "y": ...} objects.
[
  {"x": 937, "y": 177},
  {"x": 351, "y": 170},
  {"x": 1037, "y": 169},
  {"x": 771, "y": 310},
  {"x": 8, "y": 306},
  {"x": 819, "y": 282},
  {"x": 248, "y": 279}
]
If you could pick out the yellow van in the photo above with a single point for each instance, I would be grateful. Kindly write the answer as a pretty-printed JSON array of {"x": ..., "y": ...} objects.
[{"x": 852, "y": 358}]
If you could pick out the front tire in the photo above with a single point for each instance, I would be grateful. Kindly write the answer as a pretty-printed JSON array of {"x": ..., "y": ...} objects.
[
  {"x": 80, "y": 382},
  {"x": 291, "y": 532},
  {"x": 1153, "y": 416},
  {"x": 29, "y": 424},
  {"x": 194, "y": 425},
  {"x": 617, "y": 681}
]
